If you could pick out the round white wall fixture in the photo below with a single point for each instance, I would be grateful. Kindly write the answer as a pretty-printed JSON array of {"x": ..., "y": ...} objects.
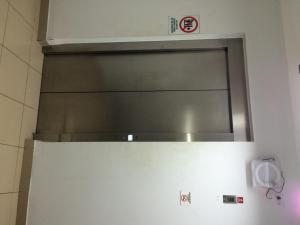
[{"x": 265, "y": 174}]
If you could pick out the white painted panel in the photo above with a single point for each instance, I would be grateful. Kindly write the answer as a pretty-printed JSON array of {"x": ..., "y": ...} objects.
[
  {"x": 85, "y": 19},
  {"x": 53, "y": 202},
  {"x": 140, "y": 183},
  {"x": 291, "y": 22}
]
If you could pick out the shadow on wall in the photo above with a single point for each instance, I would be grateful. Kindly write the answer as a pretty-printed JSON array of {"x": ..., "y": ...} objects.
[{"x": 25, "y": 182}]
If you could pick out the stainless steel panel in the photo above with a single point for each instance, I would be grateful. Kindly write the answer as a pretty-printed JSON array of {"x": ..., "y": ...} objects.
[
  {"x": 138, "y": 137},
  {"x": 96, "y": 109},
  {"x": 135, "y": 112},
  {"x": 151, "y": 71},
  {"x": 240, "y": 107},
  {"x": 140, "y": 46}
]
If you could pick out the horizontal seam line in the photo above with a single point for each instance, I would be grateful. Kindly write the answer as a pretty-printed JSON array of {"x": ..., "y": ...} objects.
[{"x": 95, "y": 92}]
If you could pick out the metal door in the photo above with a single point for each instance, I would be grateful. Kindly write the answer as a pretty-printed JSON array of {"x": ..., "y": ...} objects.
[{"x": 164, "y": 91}]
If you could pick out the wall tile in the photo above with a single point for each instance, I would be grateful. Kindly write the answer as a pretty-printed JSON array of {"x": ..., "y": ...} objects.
[
  {"x": 36, "y": 55},
  {"x": 13, "y": 208},
  {"x": 10, "y": 121},
  {"x": 26, "y": 166},
  {"x": 33, "y": 89},
  {"x": 8, "y": 161},
  {"x": 13, "y": 76},
  {"x": 3, "y": 14},
  {"x": 19, "y": 18},
  {"x": 26, "y": 8},
  {"x": 37, "y": 15},
  {"x": 5, "y": 200},
  {"x": 18, "y": 170},
  {"x": 18, "y": 35},
  {"x": 28, "y": 124}
]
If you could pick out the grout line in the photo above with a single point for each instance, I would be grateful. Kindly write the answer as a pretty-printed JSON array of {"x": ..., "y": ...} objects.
[
  {"x": 16, "y": 170},
  {"x": 20, "y": 14},
  {"x": 28, "y": 67},
  {"x": 15, "y": 175},
  {"x": 11, "y": 145},
  {"x": 20, "y": 134},
  {"x": 28, "y": 106},
  {"x": 1, "y": 49},
  {"x": 24, "y": 61},
  {"x": 5, "y": 26},
  {"x": 29, "y": 60},
  {"x": 17, "y": 101},
  {"x": 27, "y": 77},
  {"x": 10, "y": 98},
  {"x": 30, "y": 49},
  {"x": 6, "y": 193},
  {"x": 31, "y": 41}
]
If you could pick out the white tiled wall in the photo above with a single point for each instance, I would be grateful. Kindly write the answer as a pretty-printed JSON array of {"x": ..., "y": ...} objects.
[{"x": 21, "y": 62}]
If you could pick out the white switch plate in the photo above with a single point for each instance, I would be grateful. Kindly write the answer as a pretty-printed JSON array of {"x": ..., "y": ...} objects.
[{"x": 185, "y": 198}]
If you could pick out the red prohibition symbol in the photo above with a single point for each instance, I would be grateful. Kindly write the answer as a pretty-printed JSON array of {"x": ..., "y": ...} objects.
[{"x": 188, "y": 24}]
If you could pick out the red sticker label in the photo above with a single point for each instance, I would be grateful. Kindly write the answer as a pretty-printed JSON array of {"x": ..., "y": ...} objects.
[
  {"x": 240, "y": 200},
  {"x": 188, "y": 24}
]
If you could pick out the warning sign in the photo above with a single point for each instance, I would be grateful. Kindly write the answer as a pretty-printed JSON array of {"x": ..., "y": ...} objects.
[{"x": 184, "y": 24}]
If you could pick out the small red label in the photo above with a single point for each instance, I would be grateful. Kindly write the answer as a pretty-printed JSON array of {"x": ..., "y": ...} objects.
[{"x": 240, "y": 200}]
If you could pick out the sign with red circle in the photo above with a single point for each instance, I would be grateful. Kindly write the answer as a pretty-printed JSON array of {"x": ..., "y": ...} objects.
[
  {"x": 188, "y": 24},
  {"x": 184, "y": 24}
]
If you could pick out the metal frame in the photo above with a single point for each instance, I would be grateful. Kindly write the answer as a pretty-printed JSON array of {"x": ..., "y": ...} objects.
[
  {"x": 240, "y": 107},
  {"x": 140, "y": 137},
  {"x": 43, "y": 22},
  {"x": 142, "y": 46},
  {"x": 240, "y": 104}
]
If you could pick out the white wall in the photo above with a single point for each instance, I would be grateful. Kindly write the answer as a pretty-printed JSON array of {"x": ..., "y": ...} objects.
[
  {"x": 139, "y": 183},
  {"x": 291, "y": 22},
  {"x": 260, "y": 21}
]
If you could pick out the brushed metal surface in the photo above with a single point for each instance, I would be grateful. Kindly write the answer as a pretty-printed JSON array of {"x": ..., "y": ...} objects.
[
  {"x": 135, "y": 112},
  {"x": 139, "y": 46},
  {"x": 157, "y": 91},
  {"x": 240, "y": 98},
  {"x": 186, "y": 70},
  {"x": 137, "y": 137}
]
